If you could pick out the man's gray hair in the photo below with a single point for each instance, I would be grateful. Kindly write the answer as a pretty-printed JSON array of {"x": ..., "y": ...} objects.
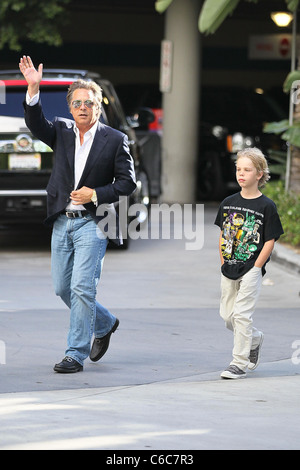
[{"x": 86, "y": 85}]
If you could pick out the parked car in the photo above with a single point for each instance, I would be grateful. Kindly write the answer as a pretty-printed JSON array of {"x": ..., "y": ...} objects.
[
  {"x": 143, "y": 101},
  {"x": 231, "y": 118},
  {"x": 26, "y": 163}
]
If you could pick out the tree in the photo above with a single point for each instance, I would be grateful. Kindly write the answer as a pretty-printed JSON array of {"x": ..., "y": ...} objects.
[
  {"x": 31, "y": 20},
  {"x": 212, "y": 15},
  {"x": 213, "y": 12},
  {"x": 291, "y": 132}
]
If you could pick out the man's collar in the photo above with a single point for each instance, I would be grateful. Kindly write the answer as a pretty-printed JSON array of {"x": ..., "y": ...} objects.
[{"x": 92, "y": 130}]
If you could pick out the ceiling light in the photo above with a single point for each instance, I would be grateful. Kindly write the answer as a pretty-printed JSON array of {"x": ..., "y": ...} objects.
[{"x": 281, "y": 18}]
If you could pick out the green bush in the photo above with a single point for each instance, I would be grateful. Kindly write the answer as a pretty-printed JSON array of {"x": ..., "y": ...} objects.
[{"x": 288, "y": 206}]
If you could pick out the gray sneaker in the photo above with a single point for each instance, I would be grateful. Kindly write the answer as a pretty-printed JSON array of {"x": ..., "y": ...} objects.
[
  {"x": 254, "y": 355},
  {"x": 233, "y": 372}
]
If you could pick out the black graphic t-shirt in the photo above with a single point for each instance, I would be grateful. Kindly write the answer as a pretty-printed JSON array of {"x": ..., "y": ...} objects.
[{"x": 246, "y": 225}]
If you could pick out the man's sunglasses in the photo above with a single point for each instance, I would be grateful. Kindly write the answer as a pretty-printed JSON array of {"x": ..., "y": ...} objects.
[{"x": 87, "y": 103}]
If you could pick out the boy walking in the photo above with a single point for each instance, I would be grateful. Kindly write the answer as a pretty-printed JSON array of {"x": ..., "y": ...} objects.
[{"x": 249, "y": 225}]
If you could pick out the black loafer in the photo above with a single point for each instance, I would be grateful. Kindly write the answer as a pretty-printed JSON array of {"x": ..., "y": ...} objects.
[
  {"x": 100, "y": 345},
  {"x": 68, "y": 366}
]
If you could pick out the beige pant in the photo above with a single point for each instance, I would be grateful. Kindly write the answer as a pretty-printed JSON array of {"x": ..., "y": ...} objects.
[{"x": 238, "y": 302}]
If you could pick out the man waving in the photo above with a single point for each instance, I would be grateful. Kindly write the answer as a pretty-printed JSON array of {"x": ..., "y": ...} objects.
[{"x": 92, "y": 166}]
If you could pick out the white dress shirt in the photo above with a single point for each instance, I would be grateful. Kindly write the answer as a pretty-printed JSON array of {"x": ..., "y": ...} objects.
[{"x": 81, "y": 151}]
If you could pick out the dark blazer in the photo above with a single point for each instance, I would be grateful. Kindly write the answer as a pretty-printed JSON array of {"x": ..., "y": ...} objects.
[{"x": 109, "y": 168}]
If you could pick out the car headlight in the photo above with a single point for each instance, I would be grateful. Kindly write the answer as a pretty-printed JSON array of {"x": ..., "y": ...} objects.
[
  {"x": 238, "y": 142},
  {"x": 219, "y": 131}
]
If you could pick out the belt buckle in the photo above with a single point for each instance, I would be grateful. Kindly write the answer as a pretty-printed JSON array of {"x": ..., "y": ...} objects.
[{"x": 70, "y": 214}]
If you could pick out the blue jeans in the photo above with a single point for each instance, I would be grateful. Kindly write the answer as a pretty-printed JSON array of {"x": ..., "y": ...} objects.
[{"x": 78, "y": 248}]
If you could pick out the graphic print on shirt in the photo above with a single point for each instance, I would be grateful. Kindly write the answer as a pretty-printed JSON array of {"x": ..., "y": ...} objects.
[{"x": 241, "y": 237}]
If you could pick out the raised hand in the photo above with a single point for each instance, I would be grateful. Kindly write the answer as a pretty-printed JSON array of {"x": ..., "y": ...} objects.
[{"x": 31, "y": 75}]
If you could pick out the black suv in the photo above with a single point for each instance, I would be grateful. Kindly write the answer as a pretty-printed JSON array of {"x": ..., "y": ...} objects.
[
  {"x": 26, "y": 163},
  {"x": 233, "y": 118}
]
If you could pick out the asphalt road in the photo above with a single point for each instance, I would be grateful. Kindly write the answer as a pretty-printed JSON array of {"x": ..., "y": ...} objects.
[{"x": 158, "y": 386}]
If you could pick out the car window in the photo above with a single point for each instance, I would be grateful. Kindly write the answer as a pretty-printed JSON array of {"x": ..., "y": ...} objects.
[
  {"x": 54, "y": 104},
  {"x": 53, "y": 100},
  {"x": 266, "y": 108},
  {"x": 226, "y": 105},
  {"x": 112, "y": 116}
]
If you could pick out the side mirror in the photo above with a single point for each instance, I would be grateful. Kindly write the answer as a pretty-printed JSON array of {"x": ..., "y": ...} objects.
[
  {"x": 141, "y": 119},
  {"x": 145, "y": 117}
]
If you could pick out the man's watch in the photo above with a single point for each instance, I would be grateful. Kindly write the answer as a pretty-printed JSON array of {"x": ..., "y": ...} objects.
[{"x": 94, "y": 198}]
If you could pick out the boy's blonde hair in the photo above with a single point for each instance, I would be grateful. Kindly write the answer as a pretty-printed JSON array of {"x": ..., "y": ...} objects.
[{"x": 259, "y": 161}]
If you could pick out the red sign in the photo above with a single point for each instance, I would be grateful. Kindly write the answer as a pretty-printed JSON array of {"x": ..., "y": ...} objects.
[{"x": 284, "y": 46}]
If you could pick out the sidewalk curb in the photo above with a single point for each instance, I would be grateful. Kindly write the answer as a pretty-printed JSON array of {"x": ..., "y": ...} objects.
[{"x": 287, "y": 258}]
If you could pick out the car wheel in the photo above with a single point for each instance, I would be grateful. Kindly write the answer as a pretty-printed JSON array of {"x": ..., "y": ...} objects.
[
  {"x": 142, "y": 194},
  {"x": 210, "y": 185}
]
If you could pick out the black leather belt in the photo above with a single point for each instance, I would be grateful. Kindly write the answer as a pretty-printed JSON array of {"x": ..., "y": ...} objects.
[{"x": 75, "y": 214}]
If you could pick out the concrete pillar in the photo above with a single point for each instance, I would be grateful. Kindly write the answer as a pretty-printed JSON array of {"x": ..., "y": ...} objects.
[{"x": 181, "y": 105}]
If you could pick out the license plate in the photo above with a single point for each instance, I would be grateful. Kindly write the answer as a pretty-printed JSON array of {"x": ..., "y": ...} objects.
[{"x": 30, "y": 161}]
